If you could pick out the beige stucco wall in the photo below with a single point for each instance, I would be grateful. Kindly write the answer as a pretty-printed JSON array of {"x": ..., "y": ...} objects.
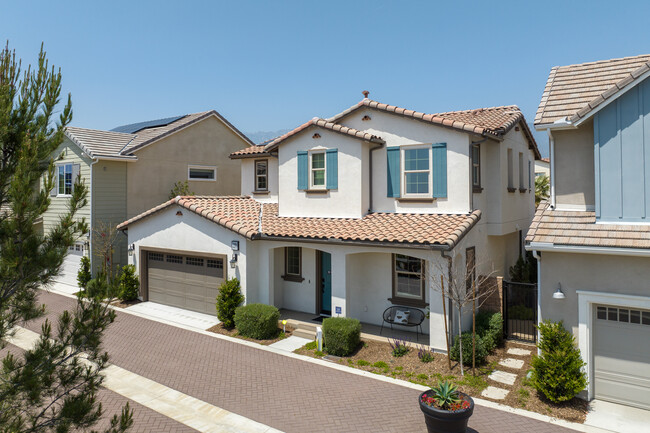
[
  {"x": 163, "y": 163},
  {"x": 574, "y": 166},
  {"x": 59, "y": 205},
  {"x": 589, "y": 272}
]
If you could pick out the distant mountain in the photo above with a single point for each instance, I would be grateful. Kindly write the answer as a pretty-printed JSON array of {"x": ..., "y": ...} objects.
[
  {"x": 260, "y": 137},
  {"x": 541, "y": 138}
]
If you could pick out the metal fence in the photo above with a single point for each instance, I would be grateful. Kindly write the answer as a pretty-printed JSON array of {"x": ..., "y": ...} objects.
[{"x": 520, "y": 311}]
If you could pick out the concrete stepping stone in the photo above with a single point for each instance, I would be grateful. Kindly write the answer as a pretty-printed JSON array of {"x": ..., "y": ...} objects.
[
  {"x": 512, "y": 363},
  {"x": 494, "y": 393},
  {"x": 503, "y": 377},
  {"x": 518, "y": 352}
]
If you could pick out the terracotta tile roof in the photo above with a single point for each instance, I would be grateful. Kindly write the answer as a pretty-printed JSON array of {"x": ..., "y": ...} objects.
[
  {"x": 573, "y": 91},
  {"x": 250, "y": 152},
  {"x": 256, "y": 220},
  {"x": 579, "y": 228},
  {"x": 322, "y": 123}
]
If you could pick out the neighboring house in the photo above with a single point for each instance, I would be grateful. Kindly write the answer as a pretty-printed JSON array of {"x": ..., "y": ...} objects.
[
  {"x": 134, "y": 167},
  {"x": 351, "y": 215},
  {"x": 543, "y": 167},
  {"x": 593, "y": 234}
]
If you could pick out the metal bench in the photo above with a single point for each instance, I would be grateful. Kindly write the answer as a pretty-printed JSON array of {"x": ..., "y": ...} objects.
[{"x": 415, "y": 319}]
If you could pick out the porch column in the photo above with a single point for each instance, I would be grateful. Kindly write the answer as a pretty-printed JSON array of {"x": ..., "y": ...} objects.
[
  {"x": 339, "y": 289},
  {"x": 265, "y": 277}
]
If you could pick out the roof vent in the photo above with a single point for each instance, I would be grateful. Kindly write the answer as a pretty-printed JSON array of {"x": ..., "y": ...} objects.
[
  {"x": 365, "y": 94},
  {"x": 317, "y": 135},
  {"x": 365, "y": 118}
]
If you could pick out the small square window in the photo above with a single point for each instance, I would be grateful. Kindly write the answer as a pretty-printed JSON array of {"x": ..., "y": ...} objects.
[
  {"x": 612, "y": 314},
  {"x": 202, "y": 173},
  {"x": 194, "y": 261},
  {"x": 174, "y": 259},
  {"x": 635, "y": 317},
  {"x": 156, "y": 257},
  {"x": 645, "y": 318},
  {"x": 624, "y": 316},
  {"x": 601, "y": 313}
]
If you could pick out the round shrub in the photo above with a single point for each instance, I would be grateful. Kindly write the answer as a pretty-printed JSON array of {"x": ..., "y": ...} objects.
[
  {"x": 481, "y": 349},
  {"x": 341, "y": 335},
  {"x": 557, "y": 372},
  {"x": 228, "y": 299},
  {"x": 258, "y": 321}
]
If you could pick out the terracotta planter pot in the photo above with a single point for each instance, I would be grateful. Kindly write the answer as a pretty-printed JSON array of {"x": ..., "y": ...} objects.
[{"x": 444, "y": 421}]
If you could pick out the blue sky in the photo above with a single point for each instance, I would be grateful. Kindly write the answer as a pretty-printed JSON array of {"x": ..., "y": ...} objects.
[{"x": 270, "y": 65}]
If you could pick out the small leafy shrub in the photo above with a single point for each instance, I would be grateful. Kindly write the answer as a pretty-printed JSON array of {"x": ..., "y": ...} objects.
[
  {"x": 399, "y": 347},
  {"x": 228, "y": 299},
  {"x": 258, "y": 321},
  {"x": 362, "y": 362},
  {"x": 481, "y": 349},
  {"x": 425, "y": 354},
  {"x": 180, "y": 188},
  {"x": 341, "y": 335},
  {"x": 557, "y": 372},
  {"x": 129, "y": 284},
  {"x": 380, "y": 364},
  {"x": 84, "y": 275}
]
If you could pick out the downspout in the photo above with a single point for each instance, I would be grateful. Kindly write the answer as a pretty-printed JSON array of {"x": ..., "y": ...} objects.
[
  {"x": 372, "y": 149},
  {"x": 551, "y": 147},
  {"x": 450, "y": 320},
  {"x": 538, "y": 257}
]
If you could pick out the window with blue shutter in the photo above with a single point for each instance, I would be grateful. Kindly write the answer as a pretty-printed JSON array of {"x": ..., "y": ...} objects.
[
  {"x": 393, "y": 171},
  {"x": 303, "y": 170},
  {"x": 332, "y": 169},
  {"x": 439, "y": 164}
]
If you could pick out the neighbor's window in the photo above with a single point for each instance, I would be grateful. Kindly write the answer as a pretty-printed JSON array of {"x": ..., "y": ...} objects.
[
  {"x": 64, "y": 179},
  {"x": 521, "y": 172},
  {"x": 511, "y": 185},
  {"x": 199, "y": 172},
  {"x": 476, "y": 167},
  {"x": 261, "y": 176},
  {"x": 293, "y": 264},
  {"x": 409, "y": 277},
  {"x": 417, "y": 171},
  {"x": 318, "y": 170}
]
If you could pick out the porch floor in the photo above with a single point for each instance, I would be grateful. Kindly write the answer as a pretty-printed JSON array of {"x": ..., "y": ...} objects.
[{"x": 368, "y": 331}]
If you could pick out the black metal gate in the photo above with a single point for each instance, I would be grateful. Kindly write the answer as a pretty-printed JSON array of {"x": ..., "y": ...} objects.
[{"x": 520, "y": 311}]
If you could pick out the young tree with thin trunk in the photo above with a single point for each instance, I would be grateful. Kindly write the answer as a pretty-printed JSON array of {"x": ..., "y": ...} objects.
[{"x": 47, "y": 388}]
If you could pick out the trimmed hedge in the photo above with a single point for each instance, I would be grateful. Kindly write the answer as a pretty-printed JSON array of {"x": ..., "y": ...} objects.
[
  {"x": 258, "y": 321},
  {"x": 228, "y": 299},
  {"x": 341, "y": 335}
]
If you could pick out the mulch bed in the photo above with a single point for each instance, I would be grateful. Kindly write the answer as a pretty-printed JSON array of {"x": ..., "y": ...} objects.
[
  {"x": 410, "y": 368},
  {"x": 125, "y": 304},
  {"x": 220, "y": 329}
]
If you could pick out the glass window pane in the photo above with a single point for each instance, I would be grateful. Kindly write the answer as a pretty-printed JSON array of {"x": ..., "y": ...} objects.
[
  {"x": 646, "y": 318},
  {"x": 635, "y": 317},
  {"x": 612, "y": 314},
  {"x": 293, "y": 260},
  {"x": 202, "y": 173},
  {"x": 261, "y": 182},
  {"x": 318, "y": 160},
  {"x": 623, "y": 316},
  {"x": 601, "y": 313},
  {"x": 416, "y": 159},
  {"x": 318, "y": 177},
  {"x": 261, "y": 167},
  {"x": 417, "y": 183}
]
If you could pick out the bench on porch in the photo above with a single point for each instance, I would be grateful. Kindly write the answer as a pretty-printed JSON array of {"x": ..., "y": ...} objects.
[{"x": 403, "y": 316}]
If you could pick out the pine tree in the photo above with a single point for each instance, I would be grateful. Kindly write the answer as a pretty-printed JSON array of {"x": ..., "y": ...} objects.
[{"x": 48, "y": 388}]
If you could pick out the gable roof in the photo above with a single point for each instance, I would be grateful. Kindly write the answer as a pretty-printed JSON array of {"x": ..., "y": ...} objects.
[
  {"x": 250, "y": 152},
  {"x": 113, "y": 144},
  {"x": 574, "y": 91},
  {"x": 255, "y": 220}
]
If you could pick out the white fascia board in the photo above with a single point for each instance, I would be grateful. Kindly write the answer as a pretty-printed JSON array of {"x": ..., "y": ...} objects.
[{"x": 543, "y": 246}]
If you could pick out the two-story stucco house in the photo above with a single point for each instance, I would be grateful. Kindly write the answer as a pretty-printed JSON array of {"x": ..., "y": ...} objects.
[
  {"x": 593, "y": 235},
  {"x": 350, "y": 215},
  {"x": 134, "y": 167}
]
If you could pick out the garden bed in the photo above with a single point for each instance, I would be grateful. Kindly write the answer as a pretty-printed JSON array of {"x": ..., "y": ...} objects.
[
  {"x": 125, "y": 304},
  {"x": 376, "y": 357},
  {"x": 220, "y": 329}
]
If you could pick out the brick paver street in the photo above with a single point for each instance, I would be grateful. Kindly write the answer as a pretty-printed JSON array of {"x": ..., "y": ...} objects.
[{"x": 285, "y": 393}]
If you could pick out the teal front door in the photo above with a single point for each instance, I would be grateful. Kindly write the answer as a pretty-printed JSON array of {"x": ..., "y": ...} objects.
[{"x": 326, "y": 283}]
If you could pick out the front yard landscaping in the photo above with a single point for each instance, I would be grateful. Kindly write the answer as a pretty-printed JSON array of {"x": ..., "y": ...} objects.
[{"x": 281, "y": 335}]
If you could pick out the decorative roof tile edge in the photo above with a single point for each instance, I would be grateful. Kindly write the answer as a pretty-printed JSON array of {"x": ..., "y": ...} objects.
[
  {"x": 322, "y": 123},
  {"x": 254, "y": 154}
]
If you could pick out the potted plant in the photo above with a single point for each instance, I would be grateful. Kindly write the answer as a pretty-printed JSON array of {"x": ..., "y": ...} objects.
[{"x": 446, "y": 410}]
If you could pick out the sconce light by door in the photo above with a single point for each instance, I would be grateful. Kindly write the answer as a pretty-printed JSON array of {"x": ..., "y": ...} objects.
[
  {"x": 131, "y": 249},
  {"x": 559, "y": 294},
  {"x": 233, "y": 261}
]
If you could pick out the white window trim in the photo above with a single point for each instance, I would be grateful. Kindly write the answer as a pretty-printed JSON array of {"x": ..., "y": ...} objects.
[
  {"x": 586, "y": 302},
  {"x": 402, "y": 159},
  {"x": 257, "y": 176},
  {"x": 311, "y": 169},
  {"x": 71, "y": 164},
  {"x": 202, "y": 167}
]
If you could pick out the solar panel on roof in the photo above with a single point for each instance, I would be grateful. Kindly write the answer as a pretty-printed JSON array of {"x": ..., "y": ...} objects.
[{"x": 135, "y": 127}]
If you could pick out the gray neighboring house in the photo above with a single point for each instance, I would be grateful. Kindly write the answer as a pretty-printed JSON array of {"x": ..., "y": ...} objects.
[
  {"x": 134, "y": 167},
  {"x": 593, "y": 235}
]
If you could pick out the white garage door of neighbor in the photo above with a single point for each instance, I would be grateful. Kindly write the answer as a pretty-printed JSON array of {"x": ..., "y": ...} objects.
[
  {"x": 621, "y": 348},
  {"x": 185, "y": 281},
  {"x": 71, "y": 265}
]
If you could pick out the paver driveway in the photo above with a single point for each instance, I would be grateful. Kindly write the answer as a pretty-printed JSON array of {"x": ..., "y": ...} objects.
[{"x": 285, "y": 393}]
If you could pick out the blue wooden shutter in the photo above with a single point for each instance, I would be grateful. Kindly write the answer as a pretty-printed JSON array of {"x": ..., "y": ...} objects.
[
  {"x": 393, "y": 169},
  {"x": 332, "y": 168},
  {"x": 439, "y": 159},
  {"x": 303, "y": 171}
]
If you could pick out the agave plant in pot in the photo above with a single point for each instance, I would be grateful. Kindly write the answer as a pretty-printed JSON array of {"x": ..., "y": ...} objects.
[{"x": 446, "y": 410}]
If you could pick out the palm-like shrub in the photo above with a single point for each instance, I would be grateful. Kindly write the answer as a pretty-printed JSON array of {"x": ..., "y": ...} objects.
[{"x": 228, "y": 299}]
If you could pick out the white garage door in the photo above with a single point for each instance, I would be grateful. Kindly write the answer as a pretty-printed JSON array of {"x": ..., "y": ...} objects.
[
  {"x": 71, "y": 265},
  {"x": 185, "y": 281},
  {"x": 622, "y": 355}
]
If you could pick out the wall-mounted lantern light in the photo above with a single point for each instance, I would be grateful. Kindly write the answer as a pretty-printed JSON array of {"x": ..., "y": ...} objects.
[
  {"x": 131, "y": 249},
  {"x": 233, "y": 261},
  {"x": 558, "y": 293}
]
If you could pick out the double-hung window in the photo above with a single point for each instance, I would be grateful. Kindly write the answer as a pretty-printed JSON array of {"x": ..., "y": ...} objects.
[
  {"x": 64, "y": 179},
  {"x": 476, "y": 167},
  {"x": 293, "y": 264},
  {"x": 408, "y": 283},
  {"x": 261, "y": 175},
  {"x": 317, "y": 170},
  {"x": 417, "y": 172}
]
